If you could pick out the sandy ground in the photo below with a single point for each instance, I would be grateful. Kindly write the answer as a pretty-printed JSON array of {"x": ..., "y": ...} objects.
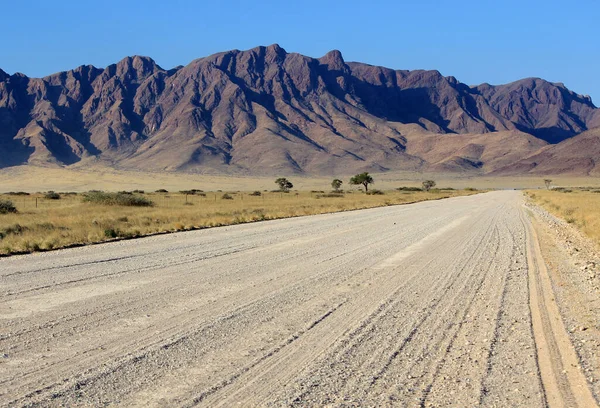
[
  {"x": 418, "y": 305},
  {"x": 34, "y": 179}
]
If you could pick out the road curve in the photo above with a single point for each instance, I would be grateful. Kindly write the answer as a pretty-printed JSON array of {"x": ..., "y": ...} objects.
[{"x": 418, "y": 305}]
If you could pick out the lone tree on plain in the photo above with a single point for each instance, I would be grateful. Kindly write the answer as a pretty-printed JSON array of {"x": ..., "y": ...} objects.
[
  {"x": 428, "y": 185},
  {"x": 363, "y": 178},
  {"x": 284, "y": 184},
  {"x": 547, "y": 182},
  {"x": 336, "y": 184}
]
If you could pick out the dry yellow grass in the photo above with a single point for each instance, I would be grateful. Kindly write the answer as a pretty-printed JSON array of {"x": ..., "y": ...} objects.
[
  {"x": 68, "y": 221},
  {"x": 580, "y": 207},
  {"x": 32, "y": 179}
]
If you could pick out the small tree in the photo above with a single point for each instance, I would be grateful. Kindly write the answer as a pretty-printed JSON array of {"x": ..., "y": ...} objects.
[
  {"x": 336, "y": 184},
  {"x": 284, "y": 184},
  {"x": 428, "y": 185},
  {"x": 363, "y": 178},
  {"x": 547, "y": 182}
]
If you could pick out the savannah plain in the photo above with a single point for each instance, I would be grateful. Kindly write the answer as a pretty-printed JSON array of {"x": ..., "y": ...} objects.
[{"x": 300, "y": 311}]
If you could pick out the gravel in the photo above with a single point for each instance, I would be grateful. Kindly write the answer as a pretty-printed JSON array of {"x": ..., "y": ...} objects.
[{"x": 417, "y": 305}]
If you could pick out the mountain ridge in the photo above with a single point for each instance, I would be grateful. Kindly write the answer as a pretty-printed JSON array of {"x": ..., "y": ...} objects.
[{"x": 268, "y": 111}]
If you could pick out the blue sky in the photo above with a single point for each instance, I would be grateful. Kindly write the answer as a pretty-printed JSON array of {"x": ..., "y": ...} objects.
[{"x": 474, "y": 40}]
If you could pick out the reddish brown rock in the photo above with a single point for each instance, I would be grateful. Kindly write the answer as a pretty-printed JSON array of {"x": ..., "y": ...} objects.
[{"x": 268, "y": 111}]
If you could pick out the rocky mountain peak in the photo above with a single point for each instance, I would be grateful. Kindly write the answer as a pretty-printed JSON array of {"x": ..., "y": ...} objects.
[
  {"x": 334, "y": 61},
  {"x": 266, "y": 111},
  {"x": 137, "y": 67}
]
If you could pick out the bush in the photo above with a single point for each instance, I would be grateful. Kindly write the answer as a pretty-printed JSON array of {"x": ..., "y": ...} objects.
[
  {"x": 7, "y": 207},
  {"x": 256, "y": 193},
  {"x": 128, "y": 200},
  {"x": 17, "y": 193},
  {"x": 51, "y": 195},
  {"x": 562, "y": 190},
  {"x": 12, "y": 230},
  {"x": 470, "y": 189},
  {"x": 226, "y": 197},
  {"x": 161, "y": 190},
  {"x": 193, "y": 192},
  {"x": 139, "y": 191},
  {"x": 409, "y": 189},
  {"x": 111, "y": 233},
  {"x": 331, "y": 195},
  {"x": 375, "y": 192}
]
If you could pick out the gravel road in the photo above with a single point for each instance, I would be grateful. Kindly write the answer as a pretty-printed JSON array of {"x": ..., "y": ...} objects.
[{"x": 418, "y": 305}]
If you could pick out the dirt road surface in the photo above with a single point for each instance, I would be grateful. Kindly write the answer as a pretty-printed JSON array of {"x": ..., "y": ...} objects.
[{"x": 418, "y": 305}]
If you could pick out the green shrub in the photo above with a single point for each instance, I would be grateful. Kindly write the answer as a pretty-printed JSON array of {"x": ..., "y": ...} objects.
[
  {"x": 409, "y": 189},
  {"x": 331, "y": 195},
  {"x": 226, "y": 197},
  {"x": 111, "y": 233},
  {"x": 128, "y": 200},
  {"x": 7, "y": 207},
  {"x": 17, "y": 193},
  {"x": 12, "y": 230},
  {"x": 138, "y": 191},
  {"x": 470, "y": 189},
  {"x": 562, "y": 190},
  {"x": 256, "y": 193},
  {"x": 161, "y": 190},
  {"x": 51, "y": 195},
  {"x": 375, "y": 192},
  {"x": 193, "y": 192}
]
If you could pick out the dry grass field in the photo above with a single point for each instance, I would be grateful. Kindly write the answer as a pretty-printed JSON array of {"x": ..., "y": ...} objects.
[
  {"x": 43, "y": 224},
  {"x": 577, "y": 206},
  {"x": 69, "y": 221},
  {"x": 32, "y": 179}
]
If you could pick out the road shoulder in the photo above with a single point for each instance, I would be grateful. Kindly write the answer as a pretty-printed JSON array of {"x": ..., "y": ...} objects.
[{"x": 565, "y": 302}]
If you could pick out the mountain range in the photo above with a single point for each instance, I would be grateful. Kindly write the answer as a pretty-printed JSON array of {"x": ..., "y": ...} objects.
[{"x": 266, "y": 111}]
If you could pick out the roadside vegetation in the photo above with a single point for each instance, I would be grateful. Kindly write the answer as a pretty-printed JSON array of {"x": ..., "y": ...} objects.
[
  {"x": 577, "y": 206},
  {"x": 34, "y": 222},
  {"x": 363, "y": 178}
]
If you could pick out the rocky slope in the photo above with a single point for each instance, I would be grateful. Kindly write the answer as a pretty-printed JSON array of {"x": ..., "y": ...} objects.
[
  {"x": 579, "y": 155},
  {"x": 268, "y": 111}
]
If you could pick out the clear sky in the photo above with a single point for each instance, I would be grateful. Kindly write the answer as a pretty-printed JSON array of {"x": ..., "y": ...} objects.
[{"x": 494, "y": 41}]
